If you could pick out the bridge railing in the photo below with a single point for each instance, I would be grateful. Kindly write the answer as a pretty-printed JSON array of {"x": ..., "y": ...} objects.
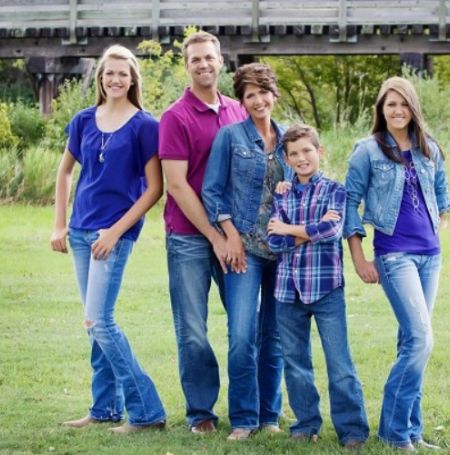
[{"x": 16, "y": 16}]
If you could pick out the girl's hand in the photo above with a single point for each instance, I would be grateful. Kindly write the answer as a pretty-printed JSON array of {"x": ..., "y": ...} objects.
[
  {"x": 367, "y": 271},
  {"x": 104, "y": 244},
  {"x": 331, "y": 215},
  {"x": 282, "y": 187},
  {"x": 58, "y": 240},
  {"x": 235, "y": 256},
  {"x": 277, "y": 227}
]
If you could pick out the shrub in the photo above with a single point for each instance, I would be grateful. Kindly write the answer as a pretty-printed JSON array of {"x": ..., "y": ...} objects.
[
  {"x": 11, "y": 175},
  {"x": 7, "y": 139},
  {"x": 27, "y": 123}
]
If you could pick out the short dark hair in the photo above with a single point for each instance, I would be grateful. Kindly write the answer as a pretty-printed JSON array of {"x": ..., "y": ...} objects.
[
  {"x": 299, "y": 131},
  {"x": 257, "y": 74}
]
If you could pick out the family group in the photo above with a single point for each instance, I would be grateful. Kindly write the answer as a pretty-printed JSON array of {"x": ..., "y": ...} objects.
[{"x": 249, "y": 207}]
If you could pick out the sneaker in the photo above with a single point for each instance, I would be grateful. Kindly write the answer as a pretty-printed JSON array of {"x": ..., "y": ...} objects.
[
  {"x": 129, "y": 428},
  {"x": 205, "y": 426},
  {"x": 406, "y": 448},
  {"x": 421, "y": 444},
  {"x": 271, "y": 429},
  {"x": 302, "y": 437},
  {"x": 240, "y": 434}
]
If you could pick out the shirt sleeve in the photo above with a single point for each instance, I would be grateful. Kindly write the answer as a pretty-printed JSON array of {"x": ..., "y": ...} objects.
[
  {"x": 329, "y": 231},
  {"x": 216, "y": 194},
  {"x": 280, "y": 243},
  {"x": 173, "y": 138},
  {"x": 74, "y": 132},
  {"x": 148, "y": 142},
  {"x": 356, "y": 185}
]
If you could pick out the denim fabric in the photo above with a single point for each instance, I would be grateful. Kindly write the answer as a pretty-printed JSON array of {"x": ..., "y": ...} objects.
[
  {"x": 371, "y": 176},
  {"x": 346, "y": 398},
  {"x": 235, "y": 172},
  {"x": 410, "y": 282},
  {"x": 255, "y": 361},
  {"x": 116, "y": 371},
  {"x": 192, "y": 263}
]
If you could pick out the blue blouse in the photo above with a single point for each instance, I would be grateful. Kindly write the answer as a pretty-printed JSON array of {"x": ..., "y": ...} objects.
[{"x": 110, "y": 184}]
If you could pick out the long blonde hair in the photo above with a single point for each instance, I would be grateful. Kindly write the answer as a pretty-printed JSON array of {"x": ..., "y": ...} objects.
[
  {"x": 119, "y": 52},
  {"x": 416, "y": 126}
]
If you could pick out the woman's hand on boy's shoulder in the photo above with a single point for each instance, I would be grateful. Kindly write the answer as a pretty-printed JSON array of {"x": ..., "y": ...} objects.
[{"x": 282, "y": 187}]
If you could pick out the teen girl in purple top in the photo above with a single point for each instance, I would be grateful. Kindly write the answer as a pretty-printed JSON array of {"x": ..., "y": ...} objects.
[
  {"x": 115, "y": 144},
  {"x": 399, "y": 173}
]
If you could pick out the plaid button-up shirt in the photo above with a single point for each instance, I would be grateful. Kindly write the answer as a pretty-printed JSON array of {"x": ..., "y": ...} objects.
[{"x": 315, "y": 268}]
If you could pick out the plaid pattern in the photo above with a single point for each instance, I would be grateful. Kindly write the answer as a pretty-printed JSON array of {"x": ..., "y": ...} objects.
[{"x": 314, "y": 268}]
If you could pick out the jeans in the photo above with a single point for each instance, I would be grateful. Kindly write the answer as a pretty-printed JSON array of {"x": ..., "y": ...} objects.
[
  {"x": 117, "y": 376},
  {"x": 346, "y": 398},
  {"x": 255, "y": 361},
  {"x": 410, "y": 282},
  {"x": 192, "y": 264}
]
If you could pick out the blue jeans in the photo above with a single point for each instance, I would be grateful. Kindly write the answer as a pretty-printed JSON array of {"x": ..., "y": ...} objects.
[
  {"x": 346, "y": 398},
  {"x": 255, "y": 361},
  {"x": 410, "y": 282},
  {"x": 192, "y": 264},
  {"x": 117, "y": 376}
]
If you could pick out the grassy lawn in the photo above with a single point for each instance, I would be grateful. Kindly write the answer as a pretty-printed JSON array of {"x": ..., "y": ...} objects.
[{"x": 45, "y": 374}]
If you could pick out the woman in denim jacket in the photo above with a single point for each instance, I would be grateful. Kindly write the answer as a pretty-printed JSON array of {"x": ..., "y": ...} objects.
[
  {"x": 399, "y": 173},
  {"x": 245, "y": 164}
]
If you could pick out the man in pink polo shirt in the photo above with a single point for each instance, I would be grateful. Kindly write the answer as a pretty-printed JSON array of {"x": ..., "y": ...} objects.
[{"x": 195, "y": 249}]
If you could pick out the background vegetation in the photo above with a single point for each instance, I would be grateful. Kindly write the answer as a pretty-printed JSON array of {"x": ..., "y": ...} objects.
[{"x": 334, "y": 93}]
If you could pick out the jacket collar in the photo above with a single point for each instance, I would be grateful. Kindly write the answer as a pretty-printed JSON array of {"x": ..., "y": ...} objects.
[{"x": 253, "y": 134}]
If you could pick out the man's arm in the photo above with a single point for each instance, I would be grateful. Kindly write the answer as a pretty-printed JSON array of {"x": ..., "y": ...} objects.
[{"x": 190, "y": 204}]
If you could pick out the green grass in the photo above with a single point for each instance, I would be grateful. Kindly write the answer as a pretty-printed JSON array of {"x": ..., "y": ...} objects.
[{"x": 45, "y": 374}]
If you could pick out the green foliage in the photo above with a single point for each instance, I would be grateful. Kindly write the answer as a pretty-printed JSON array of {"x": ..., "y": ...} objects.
[
  {"x": 7, "y": 138},
  {"x": 330, "y": 90},
  {"x": 15, "y": 83},
  {"x": 163, "y": 76},
  {"x": 72, "y": 98},
  {"x": 11, "y": 175},
  {"x": 27, "y": 123}
]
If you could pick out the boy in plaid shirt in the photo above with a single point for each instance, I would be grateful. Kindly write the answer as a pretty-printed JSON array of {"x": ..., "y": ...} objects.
[{"x": 306, "y": 232}]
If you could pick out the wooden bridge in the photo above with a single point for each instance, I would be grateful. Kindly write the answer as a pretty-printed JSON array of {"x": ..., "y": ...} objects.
[{"x": 54, "y": 34}]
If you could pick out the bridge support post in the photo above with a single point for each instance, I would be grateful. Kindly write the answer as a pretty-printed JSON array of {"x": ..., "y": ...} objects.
[
  {"x": 48, "y": 74},
  {"x": 418, "y": 62}
]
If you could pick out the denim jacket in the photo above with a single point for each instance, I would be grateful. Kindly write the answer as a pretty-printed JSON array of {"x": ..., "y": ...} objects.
[
  {"x": 378, "y": 181},
  {"x": 234, "y": 177}
]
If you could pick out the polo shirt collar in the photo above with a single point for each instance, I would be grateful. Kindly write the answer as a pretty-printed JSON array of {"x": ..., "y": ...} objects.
[{"x": 200, "y": 105}]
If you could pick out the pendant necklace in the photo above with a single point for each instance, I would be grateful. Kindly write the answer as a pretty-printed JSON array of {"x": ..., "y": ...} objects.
[{"x": 103, "y": 145}]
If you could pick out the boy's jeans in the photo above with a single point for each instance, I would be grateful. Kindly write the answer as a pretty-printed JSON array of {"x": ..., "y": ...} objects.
[
  {"x": 192, "y": 264},
  {"x": 116, "y": 371},
  {"x": 346, "y": 398},
  {"x": 410, "y": 282}
]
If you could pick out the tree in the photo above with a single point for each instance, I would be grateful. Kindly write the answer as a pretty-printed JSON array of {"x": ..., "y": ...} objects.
[{"x": 330, "y": 90}]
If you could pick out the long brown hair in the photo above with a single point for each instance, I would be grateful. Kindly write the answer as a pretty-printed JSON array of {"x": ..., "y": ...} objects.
[
  {"x": 119, "y": 52},
  {"x": 416, "y": 126}
]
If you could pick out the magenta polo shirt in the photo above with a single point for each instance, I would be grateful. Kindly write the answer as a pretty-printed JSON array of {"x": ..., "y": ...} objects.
[{"x": 186, "y": 132}]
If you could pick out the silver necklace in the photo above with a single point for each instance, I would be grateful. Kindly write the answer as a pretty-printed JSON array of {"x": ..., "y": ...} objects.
[{"x": 103, "y": 145}]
